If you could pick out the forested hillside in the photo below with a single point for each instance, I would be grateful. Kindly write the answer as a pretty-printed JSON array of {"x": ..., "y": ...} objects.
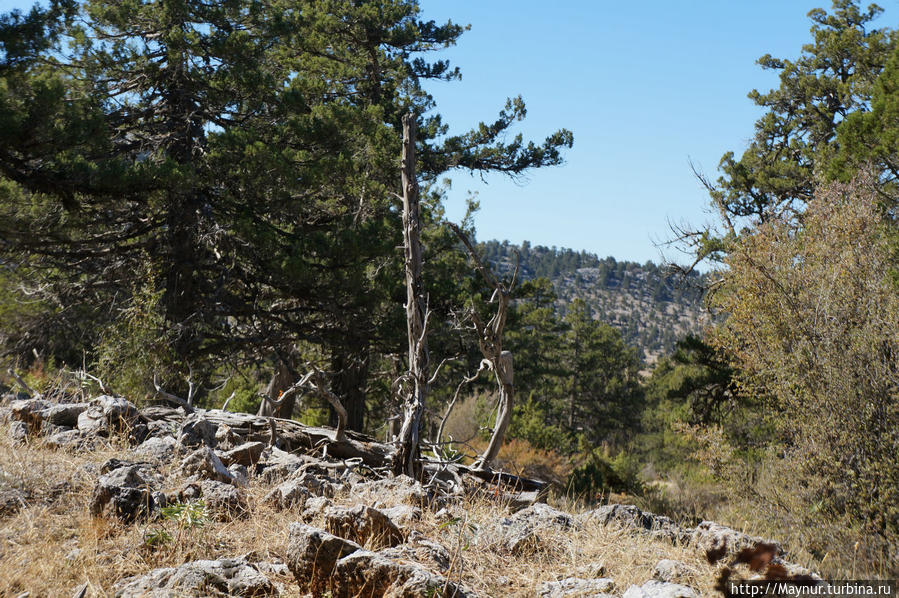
[{"x": 649, "y": 304}]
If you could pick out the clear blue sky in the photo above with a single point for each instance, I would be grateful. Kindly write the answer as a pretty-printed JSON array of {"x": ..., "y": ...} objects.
[{"x": 644, "y": 87}]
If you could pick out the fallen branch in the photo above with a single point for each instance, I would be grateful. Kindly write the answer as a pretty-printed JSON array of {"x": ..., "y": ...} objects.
[
  {"x": 172, "y": 398},
  {"x": 21, "y": 382}
]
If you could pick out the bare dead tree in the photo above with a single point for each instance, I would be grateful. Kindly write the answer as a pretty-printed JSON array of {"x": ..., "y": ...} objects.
[
  {"x": 281, "y": 380},
  {"x": 316, "y": 381},
  {"x": 490, "y": 342},
  {"x": 187, "y": 404},
  {"x": 415, "y": 390}
]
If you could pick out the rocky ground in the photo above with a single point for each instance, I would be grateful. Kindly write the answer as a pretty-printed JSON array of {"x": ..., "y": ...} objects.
[{"x": 99, "y": 498}]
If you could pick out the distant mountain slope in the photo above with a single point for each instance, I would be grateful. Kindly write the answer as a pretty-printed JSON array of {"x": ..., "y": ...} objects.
[{"x": 652, "y": 308}]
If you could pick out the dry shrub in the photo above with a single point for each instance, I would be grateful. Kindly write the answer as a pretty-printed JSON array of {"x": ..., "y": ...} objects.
[
  {"x": 521, "y": 458},
  {"x": 813, "y": 326},
  {"x": 464, "y": 421}
]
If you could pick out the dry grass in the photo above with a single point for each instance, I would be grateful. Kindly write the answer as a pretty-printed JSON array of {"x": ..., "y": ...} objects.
[{"x": 53, "y": 545}]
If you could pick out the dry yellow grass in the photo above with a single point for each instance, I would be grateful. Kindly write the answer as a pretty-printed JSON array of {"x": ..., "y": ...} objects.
[{"x": 53, "y": 545}]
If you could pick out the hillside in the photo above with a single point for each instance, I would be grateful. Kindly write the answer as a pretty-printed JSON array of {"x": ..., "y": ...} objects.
[
  {"x": 652, "y": 307},
  {"x": 98, "y": 498}
]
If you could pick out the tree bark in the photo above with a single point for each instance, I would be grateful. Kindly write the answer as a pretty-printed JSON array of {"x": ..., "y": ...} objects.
[
  {"x": 349, "y": 367},
  {"x": 490, "y": 342},
  {"x": 505, "y": 380},
  {"x": 416, "y": 387},
  {"x": 281, "y": 380}
]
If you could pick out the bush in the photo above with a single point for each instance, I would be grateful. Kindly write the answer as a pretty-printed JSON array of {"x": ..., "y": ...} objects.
[
  {"x": 600, "y": 474},
  {"x": 813, "y": 327}
]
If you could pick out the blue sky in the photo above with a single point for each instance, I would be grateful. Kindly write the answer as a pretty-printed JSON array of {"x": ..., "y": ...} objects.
[{"x": 645, "y": 88}]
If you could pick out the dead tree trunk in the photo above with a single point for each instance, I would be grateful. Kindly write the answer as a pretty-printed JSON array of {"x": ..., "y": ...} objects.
[
  {"x": 415, "y": 389},
  {"x": 490, "y": 342},
  {"x": 281, "y": 380}
]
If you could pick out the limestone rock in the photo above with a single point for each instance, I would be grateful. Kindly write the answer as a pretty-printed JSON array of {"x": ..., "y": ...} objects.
[
  {"x": 197, "y": 430},
  {"x": 660, "y": 589},
  {"x": 246, "y": 454},
  {"x": 672, "y": 571},
  {"x": 108, "y": 415},
  {"x": 129, "y": 492},
  {"x": 203, "y": 463},
  {"x": 364, "y": 525},
  {"x": 717, "y": 541},
  {"x": 225, "y": 577},
  {"x": 64, "y": 414},
  {"x": 158, "y": 449},
  {"x": 376, "y": 574},
  {"x": 395, "y": 490},
  {"x": 287, "y": 495},
  {"x": 573, "y": 587},
  {"x": 313, "y": 553},
  {"x": 224, "y": 501}
]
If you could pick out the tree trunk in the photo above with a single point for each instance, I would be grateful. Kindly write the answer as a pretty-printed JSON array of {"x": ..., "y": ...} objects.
[
  {"x": 281, "y": 380},
  {"x": 349, "y": 369},
  {"x": 416, "y": 387},
  {"x": 505, "y": 380}
]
